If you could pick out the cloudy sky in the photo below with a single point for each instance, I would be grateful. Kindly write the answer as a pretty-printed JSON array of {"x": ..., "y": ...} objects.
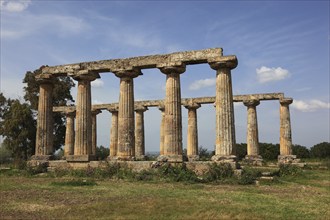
[{"x": 281, "y": 47}]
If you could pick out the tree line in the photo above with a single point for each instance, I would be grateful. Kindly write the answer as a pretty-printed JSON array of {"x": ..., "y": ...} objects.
[{"x": 18, "y": 126}]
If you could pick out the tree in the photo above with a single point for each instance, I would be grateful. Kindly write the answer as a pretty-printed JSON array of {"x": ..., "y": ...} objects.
[
  {"x": 18, "y": 128},
  {"x": 61, "y": 96},
  {"x": 241, "y": 150},
  {"x": 269, "y": 151},
  {"x": 321, "y": 150},
  {"x": 101, "y": 153},
  {"x": 300, "y": 151}
]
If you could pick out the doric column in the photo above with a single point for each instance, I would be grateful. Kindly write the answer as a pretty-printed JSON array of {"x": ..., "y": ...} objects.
[
  {"x": 69, "y": 133},
  {"x": 173, "y": 118},
  {"x": 45, "y": 125},
  {"x": 126, "y": 139},
  {"x": 139, "y": 132},
  {"x": 252, "y": 138},
  {"x": 94, "y": 130},
  {"x": 162, "y": 125},
  {"x": 113, "y": 133},
  {"x": 83, "y": 124},
  {"x": 192, "y": 134},
  {"x": 225, "y": 125}
]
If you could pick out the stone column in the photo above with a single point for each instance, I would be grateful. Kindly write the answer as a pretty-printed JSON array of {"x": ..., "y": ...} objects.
[
  {"x": 285, "y": 133},
  {"x": 45, "y": 125},
  {"x": 83, "y": 125},
  {"x": 69, "y": 133},
  {"x": 139, "y": 132},
  {"x": 192, "y": 134},
  {"x": 225, "y": 125},
  {"x": 173, "y": 118},
  {"x": 162, "y": 125},
  {"x": 252, "y": 138},
  {"x": 94, "y": 130},
  {"x": 126, "y": 137},
  {"x": 113, "y": 133}
]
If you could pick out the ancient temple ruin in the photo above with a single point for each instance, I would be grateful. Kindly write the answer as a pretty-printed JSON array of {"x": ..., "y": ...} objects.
[{"x": 127, "y": 126}]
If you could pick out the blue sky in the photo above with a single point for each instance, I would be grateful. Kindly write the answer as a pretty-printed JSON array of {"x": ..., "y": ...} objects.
[{"x": 281, "y": 46}]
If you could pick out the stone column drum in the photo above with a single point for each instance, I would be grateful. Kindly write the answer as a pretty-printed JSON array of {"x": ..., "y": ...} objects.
[
  {"x": 113, "y": 134},
  {"x": 94, "y": 130},
  {"x": 126, "y": 136},
  {"x": 45, "y": 125},
  {"x": 162, "y": 125},
  {"x": 173, "y": 118},
  {"x": 192, "y": 134},
  {"x": 83, "y": 124},
  {"x": 252, "y": 138},
  {"x": 69, "y": 133},
  {"x": 225, "y": 125},
  {"x": 139, "y": 132},
  {"x": 285, "y": 133}
]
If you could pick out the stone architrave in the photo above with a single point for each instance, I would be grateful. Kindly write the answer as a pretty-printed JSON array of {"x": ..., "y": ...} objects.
[
  {"x": 285, "y": 133},
  {"x": 94, "y": 130},
  {"x": 173, "y": 118},
  {"x": 69, "y": 133},
  {"x": 162, "y": 125},
  {"x": 113, "y": 133},
  {"x": 225, "y": 124},
  {"x": 192, "y": 133},
  {"x": 83, "y": 123},
  {"x": 45, "y": 125},
  {"x": 126, "y": 136},
  {"x": 139, "y": 132},
  {"x": 252, "y": 138}
]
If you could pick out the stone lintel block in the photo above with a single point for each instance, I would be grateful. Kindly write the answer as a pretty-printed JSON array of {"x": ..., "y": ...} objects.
[{"x": 80, "y": 158}]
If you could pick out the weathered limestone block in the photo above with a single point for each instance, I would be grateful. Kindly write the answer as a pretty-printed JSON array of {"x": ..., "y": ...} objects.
[
  {"x": 126, "y": 136},
  {"x": 139, "y": 132},
  {"x": 192, "y": 134},
  {"x": 173, "y": 118},
  {"x": 225, "y": 125},
  {"x": 45, "y": 125}
]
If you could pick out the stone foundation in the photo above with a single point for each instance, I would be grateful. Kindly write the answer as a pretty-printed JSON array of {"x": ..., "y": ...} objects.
[
  {"x": 80, "y": 158},
  {"x": 290, "y": 159},
  {"x": 254, "y": 160}
]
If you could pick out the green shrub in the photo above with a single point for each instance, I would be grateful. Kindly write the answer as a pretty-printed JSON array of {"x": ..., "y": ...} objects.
[
  {"x": 289, "y": 170},
  {"x": 218, "y": 172},
  {"x": 249, "y": 176},
  {"x": 321, "y": 150},
  {"x": 33, "y": 170},
  {"x": 177, "y": 173}
]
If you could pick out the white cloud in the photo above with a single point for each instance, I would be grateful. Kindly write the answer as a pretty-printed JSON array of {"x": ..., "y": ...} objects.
[
  {"x": 98, "y": 83},
  {"x": 14, "y": 6},
  {"x": 266, "y": 74},
  {"x": 310, "y": 106},
  {"x": 96, "y": 102},
  {"x": 202, "y": 83}
]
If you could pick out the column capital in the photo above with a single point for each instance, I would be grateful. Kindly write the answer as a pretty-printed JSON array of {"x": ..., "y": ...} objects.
[
  {"x": 232, "y": 64},
  {"x": 133, "y": 73},
  {"x": 140, "y": 108},
  {"x": 69, "y": 113},
  {"x": 96, "y": 111},
  {"x": 193, "y": 105},
  {"x": 86, "y": 76},
  {"x": 113, "y": 109},
  {"x": 286, "y": 101},
  {"x": 161, "y": 107},
  {"x": 44, "y": 79},
  {"x": 173, "y": 69},
  {"x": 251, "y": 102}
]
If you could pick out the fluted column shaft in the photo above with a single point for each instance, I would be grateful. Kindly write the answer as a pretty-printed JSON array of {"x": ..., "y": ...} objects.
[
  {"x": 192, "y": 133},
  {"x": 83, "y": 125},
  {"x": 94, "y": 130},
  {"x": 252, "y": 138},
  {"x": 225, "y": 124},
  {"x": 162, "y": 128},
  {"x": 113, "y": 133},
  {"x": 126, "y": 136},
  {"x": 173, "y": 118},
  {"x": 69, "y": 134},
  {"x": 139, "y": 132},
  {"x": 285, "y": 127},
  {"x": 45, "y": 125}
]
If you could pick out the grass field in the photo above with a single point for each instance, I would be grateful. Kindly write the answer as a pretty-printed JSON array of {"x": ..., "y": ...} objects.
[{"x": 306, "y": 196}]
